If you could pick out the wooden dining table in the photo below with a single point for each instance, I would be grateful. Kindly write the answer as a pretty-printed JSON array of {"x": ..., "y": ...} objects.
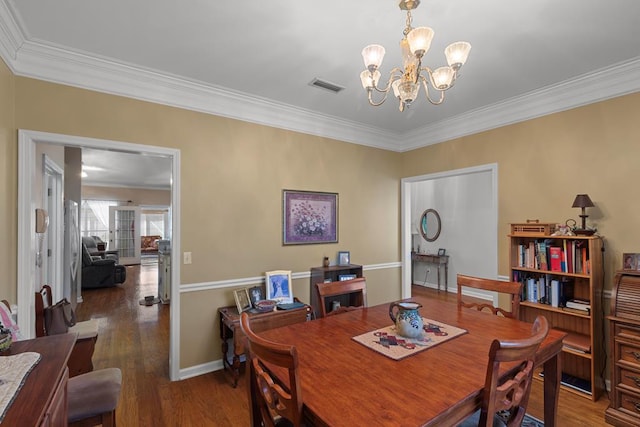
[{"x": 345, "y": 383}]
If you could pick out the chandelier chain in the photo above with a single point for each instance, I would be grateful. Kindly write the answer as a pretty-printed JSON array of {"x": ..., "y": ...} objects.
[{"x": 408, "y": 29}]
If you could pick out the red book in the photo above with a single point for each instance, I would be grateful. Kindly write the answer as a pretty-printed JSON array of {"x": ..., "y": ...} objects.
[{"x": 555, "y": 253}]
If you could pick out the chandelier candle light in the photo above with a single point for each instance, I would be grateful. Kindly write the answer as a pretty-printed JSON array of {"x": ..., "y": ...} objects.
[{"x": 406, "y": 82}]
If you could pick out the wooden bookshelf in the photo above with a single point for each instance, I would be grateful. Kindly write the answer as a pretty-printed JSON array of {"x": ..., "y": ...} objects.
[{"x": 579, "y": 272}]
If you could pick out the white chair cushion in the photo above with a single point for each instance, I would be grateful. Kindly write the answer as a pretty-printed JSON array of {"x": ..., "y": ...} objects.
[{"x": 86, "y": 329}]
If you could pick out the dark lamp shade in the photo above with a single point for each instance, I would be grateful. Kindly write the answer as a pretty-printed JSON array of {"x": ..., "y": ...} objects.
[{"x": 582, "y": 201}]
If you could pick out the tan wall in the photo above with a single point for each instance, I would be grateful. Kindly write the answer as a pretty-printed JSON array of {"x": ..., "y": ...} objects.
[
  {"x": 233, "y": 174},
  {"x": 138, "y": 196},
  {"x": 8, "y": 187},
  {"x": 544, "y": 163}
]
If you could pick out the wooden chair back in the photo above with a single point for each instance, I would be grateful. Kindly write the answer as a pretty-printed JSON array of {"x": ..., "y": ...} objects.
[
  {"x": 44, "y": 299},
  {"x": 512, "y": 288},
  {"x": 511, "y": 391},
  {"x": 355, "y": 291},
  {"x": 268, "y": 398}
]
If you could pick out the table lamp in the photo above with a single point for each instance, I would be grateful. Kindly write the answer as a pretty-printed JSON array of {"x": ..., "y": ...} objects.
[{"x": 583, "y": 201}]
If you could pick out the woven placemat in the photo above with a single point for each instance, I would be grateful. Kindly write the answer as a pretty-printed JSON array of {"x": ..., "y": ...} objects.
[
  {"x": 13, "y": 372},
  {"x": 387, "y": 342}
]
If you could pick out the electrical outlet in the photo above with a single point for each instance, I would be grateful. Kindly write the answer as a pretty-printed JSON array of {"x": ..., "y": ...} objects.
[{"x": 187, "y": 258}]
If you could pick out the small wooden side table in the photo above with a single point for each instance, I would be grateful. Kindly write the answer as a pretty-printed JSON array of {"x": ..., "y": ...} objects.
[
  {"x": 438, "y": 260},
  {"x": 230, "y": 328}
]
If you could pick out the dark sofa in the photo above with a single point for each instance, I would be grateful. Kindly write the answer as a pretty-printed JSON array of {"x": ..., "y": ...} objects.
[{"x": 98, "y": 272}]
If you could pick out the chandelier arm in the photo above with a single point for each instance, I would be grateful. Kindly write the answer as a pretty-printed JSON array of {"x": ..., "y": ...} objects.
[
  {"x": 426, "y": 90},
  {"x": 392, "y": 77},
  {"x": 372, "y": 102}
]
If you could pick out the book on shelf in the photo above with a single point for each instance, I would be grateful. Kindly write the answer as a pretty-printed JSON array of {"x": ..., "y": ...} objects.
[
  {"x": 578, "y": 304},
  {"x": 575, "y": 383},
  {"x": 555, "y": 254},
  {"x": 577, "y": 342},
  {"x": 542, "y": 255},
  {"x": 555, "y": 293}
]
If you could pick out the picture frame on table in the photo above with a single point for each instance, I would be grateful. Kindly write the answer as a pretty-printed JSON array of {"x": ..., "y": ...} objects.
[
  {"x": 243, "y": 303},
  {"x": 309, "y": 217},
  {"x": 442, "y": 252},
  {"x": 278, "y": 286},
  {"x": 344, "y": 258},
  {"x": 256, "y": 294},
  {"x": 631, "y": 261}
]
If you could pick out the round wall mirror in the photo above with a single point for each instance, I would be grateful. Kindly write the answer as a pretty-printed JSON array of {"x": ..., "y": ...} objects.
[{"x": 430, "y": 225}]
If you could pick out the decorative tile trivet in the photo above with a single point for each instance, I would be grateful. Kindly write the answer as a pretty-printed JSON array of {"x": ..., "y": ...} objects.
[{"x": 387, "y": 342}]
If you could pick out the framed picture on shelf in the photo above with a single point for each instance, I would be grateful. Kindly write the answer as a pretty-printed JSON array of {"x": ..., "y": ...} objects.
[
  {"x": 442, "y": 252},
  {"x": 344, "y": 277},
  {"x": 630, "y": 261},
  {"x": 309, "y": 217},
  {"x": 242, "y": 300},
  {"x": 344, "y": 258},
  {"x": 256, "y": 294},
  {"x": 278, "y": 286}
]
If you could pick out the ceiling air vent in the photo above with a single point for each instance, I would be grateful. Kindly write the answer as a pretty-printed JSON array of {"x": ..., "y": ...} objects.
[{"x": 323, "y": 84}]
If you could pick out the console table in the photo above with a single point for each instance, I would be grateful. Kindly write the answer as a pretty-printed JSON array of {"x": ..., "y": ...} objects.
[
  {"x": 230, "y": 328},
  {"x": 438, "y": 260}
]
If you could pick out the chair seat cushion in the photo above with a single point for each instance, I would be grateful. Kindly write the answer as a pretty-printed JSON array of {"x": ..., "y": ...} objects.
[
  {"x": 93, "y": 393},
  {"x": 85, "y": 329}
]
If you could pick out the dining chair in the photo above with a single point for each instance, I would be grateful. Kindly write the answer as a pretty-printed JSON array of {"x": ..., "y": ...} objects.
[
  {"x": 512, "y": 288},
  {"x": 80, "y": 359},
  {"x": 352, "y": 292},
  {"x": 271, "y": 403},
  {"x": 508, "y": 393},
  {"x": 93, "y": 397}
]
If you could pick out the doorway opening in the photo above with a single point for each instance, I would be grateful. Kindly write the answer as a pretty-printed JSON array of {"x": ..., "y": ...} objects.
[
  {"x": 27, "y": 240},
  {"x": 467, "y": 202}
]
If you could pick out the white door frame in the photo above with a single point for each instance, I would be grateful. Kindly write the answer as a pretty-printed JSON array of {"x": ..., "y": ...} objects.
[
  {"x": 55, "y": 232},
  {"x": 27, "y": 242},
  {"x": 405, "y": 213}
]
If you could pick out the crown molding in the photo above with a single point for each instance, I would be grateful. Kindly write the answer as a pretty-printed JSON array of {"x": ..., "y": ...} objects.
[
  {"x": 57, "y": 65},
  {"x": 620, "y": 79},
  {"x": 30, "y": 58},
  {"x": 11, "y": 35}
]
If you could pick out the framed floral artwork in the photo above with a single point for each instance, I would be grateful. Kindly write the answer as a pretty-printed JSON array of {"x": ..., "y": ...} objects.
[{"x": 309, "y": 217}]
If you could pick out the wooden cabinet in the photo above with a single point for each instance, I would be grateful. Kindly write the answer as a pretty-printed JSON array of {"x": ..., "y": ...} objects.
[
  {"x": 624, "y": 327},
  {"x": 42, "y": 400},
  {"x": 329, "y": 274},
  {"x": 554, "y": 269}
]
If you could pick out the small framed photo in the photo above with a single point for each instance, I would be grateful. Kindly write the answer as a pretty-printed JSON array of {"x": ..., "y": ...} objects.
[
  {"x": 256, "y": 294},
  {"x": 344, "y": 258},
  {"x": 242, "y": 300},
  {"x": 630, "y": 261},
  {"x": 278, "y": 286},
  {"x": 442, "y": 252}
]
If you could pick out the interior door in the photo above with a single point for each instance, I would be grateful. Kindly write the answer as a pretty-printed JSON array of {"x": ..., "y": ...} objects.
[{"x": 124, "y": 233}]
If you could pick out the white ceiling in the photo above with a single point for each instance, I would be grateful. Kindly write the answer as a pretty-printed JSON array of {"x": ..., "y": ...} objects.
[
  {"x": 253, "y": 60},
  {"x": 118, "y": 169}
]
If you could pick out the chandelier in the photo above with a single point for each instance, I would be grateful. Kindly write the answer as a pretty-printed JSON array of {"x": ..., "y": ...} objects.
[{"x": 406, "y": 81}]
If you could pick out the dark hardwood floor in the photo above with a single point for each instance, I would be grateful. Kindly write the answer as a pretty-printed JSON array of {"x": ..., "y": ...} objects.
[{"x": 135, "y": 338}]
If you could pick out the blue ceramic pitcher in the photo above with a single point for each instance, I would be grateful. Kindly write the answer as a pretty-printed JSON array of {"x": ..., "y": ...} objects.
[{"x": 407, "y": 319}]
